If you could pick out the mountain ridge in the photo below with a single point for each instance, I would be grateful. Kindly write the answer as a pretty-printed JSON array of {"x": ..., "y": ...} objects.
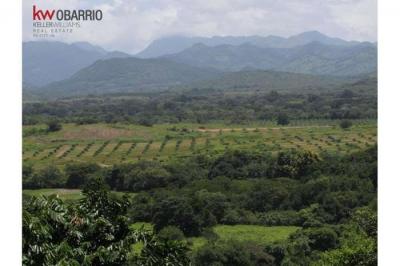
[
  {"x": 127, "y": 74},
  {"x": 48, "y": 61},
  {"x": 175, "y": 44},
  {"x": 313, "y": 58}
]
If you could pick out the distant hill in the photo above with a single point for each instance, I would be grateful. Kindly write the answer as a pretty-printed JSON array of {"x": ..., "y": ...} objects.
[
  {"x": 45, "y": 62},
  {"x": 127, "y": 75},
  {"x": 312, "y": 58},
  {"x": 266, "y": 80},
  {"x": 176, "y": 44}
]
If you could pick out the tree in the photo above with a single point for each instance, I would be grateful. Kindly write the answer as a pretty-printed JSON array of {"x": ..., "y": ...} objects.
[
  {"x": 178, "y": 212},
  {"x": 53, "y": 126},
  {"x": 171, "y": 233},
  {"x": 232, "y": 254},
  {"x": 282, "y": 119},
  {"x": 79, "y": 173},
  {"x": 92, "y": 231},
  {"x": 296, "y": 164},
  {"x": 345, "y": 124},
  {"x": 229, "y": 254}
]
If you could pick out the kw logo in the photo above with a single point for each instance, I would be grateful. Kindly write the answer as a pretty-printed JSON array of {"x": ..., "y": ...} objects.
[{"x": 39, "y": 14}]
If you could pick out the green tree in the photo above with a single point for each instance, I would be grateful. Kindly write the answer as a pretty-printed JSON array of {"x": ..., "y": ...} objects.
[
  {"x": 345, "y": 124},
  {"x": 92, "y": 231},
  {"x": 282, "y": 119},
  {"x": 79, "y": 173},
  {"x": 176, "y": 211},
  {"x": 53, "y": 126}
]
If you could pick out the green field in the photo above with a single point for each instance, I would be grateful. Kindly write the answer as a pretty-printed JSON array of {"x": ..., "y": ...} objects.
[
  {"x": 261, "y": 235},
  {"x": 108, "y": 144}
]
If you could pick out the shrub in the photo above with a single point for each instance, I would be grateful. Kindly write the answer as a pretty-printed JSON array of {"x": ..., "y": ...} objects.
[
  {"x": 345, "y": 124},
  {"x": 275, "y": 218},
  {"x": 79, "y": 173},
  {"x": 171, "y": 233},
  {"x": 282, "y": 119},
  {"x": 178, "y": 212},
  {"x": 53, "y": 126}
]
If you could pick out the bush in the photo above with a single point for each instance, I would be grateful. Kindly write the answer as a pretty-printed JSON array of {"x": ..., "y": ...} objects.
[
  {"x": 53, "y": 126},
  {"x": 232, "y": 254},
  {"x": 171, "y": 233},
  {"x": 275, "y": 218},
  {"x": 48, "y": 177},
  {"x": 296, "y": 164},
  {"x": 229, "y": 254},
  {"x": 282, "y": 119},
  {"x": 345, "y": 124},
  {"x": 322, "y": 239},
  {"x": 79, "y": 173},
  {"x": 178, "y": 212}
]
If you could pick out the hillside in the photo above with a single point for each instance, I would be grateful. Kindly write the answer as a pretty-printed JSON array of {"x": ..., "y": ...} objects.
[
  {"x": 176, "y": 44},
  {"x": 313, "y": 58},
  {"x": 127, "y": 75},
  {"x": 272, "y": 80},
  {"x": 45, "y": 62}
]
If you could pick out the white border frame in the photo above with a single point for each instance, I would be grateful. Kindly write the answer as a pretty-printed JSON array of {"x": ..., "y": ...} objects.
[
  {"x": 11, "y": 132},
  {"x": 388, "y": 128}
]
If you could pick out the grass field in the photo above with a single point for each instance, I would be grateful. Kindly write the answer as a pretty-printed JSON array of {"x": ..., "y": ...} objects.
[
  {"x": 115, "y": 143},
  {"x": 64, "y": 194},
  {"x": 261, "y": 235}
]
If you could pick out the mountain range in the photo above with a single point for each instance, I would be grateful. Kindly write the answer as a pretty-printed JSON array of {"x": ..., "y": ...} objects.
[
  {"x": 313, "y": 59},
  {"x": 176, "y": 44},
  {"x": 128, "y": 74},
  {"x": 44, "y": 62}
]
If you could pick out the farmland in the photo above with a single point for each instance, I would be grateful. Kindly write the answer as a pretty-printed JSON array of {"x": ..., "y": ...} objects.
[{"x": 108, "y": 144}]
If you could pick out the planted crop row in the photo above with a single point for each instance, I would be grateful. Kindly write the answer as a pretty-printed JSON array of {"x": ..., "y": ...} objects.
[
  {"x": 51, "y": 153},
  {"x": 86, "y": 149},
  {"x": 147, "y": 147},
  {"x": 116, "y": 147},
  {"x": 101, "y": 148},
  {"x": 71, "y": 149}
]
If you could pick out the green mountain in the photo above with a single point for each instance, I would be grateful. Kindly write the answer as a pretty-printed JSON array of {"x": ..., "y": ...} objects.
[
  {"x": 267, "y": 80},
  {"x": 313, "y": 58},
  {"x": 127, "y": 75}
]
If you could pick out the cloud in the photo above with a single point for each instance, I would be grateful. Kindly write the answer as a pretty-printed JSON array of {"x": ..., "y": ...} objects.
[{"x": 130, "y": 25}]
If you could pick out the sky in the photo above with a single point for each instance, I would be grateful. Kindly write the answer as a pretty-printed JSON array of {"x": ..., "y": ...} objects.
[{"x": 131, "y": 25}]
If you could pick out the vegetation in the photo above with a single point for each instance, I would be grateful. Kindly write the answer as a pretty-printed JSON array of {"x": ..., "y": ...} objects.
[
  {"x": 53, "y": 126},
  {"x": 345, "y": 124},
  {"x": 209, "y": 105},
  {"x": 281, "y": 171},
  {"x": 92, "y": 231},
  {"x": 331, "y": 197}
]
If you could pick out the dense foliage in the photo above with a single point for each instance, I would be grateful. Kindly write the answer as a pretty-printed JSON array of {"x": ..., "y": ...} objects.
[
  {"x": 93, "y": 231},
  {"x": 332, "y": 197},
  {"x": 357, "y": 101}
]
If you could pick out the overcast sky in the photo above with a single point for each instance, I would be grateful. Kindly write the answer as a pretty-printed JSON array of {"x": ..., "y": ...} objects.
[{"x": 130, "y": 25}]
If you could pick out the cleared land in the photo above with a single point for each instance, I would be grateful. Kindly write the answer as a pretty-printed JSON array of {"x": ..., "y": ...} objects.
[{"x": 110, "y": 144}]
